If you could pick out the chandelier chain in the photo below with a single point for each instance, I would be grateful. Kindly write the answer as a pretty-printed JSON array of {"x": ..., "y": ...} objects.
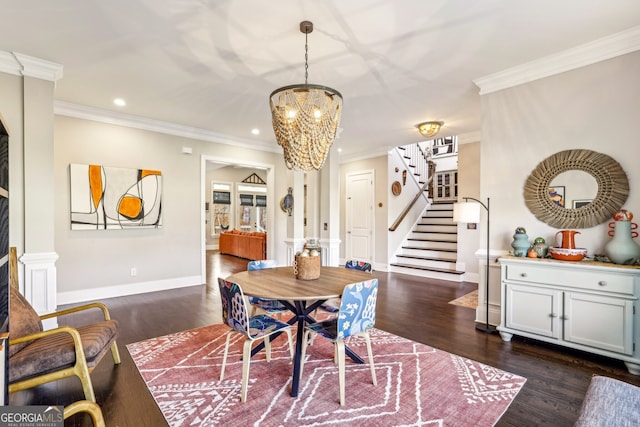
[{"x": 306, "y": 58}]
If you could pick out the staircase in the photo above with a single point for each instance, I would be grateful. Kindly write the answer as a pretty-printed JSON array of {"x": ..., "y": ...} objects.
[{"x": 430, "y": 250}]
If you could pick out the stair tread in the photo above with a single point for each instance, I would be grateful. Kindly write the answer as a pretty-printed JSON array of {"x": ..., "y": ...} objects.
[
  {"x": 433, "y": 232},
  {"x": 431, "y": 240},
  {"x": 429, "y": 249},
  {"x": 416, "y": 267},
  {"x": 426, "y": 258}
]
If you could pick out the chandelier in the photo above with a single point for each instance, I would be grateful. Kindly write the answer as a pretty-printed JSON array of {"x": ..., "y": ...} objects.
[
  {"x": 429, "y": 129},
  {"x": 305, "y": 118}
]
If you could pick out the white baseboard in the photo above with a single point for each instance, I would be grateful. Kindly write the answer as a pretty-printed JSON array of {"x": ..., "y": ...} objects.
[{"x": 96, "y": 294}]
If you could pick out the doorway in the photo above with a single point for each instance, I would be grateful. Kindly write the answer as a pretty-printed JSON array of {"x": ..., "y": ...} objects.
[{"x": 267, "y": 212}]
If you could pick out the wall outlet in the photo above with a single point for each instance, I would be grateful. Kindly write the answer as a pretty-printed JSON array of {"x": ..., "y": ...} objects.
[{"x": 134, "y": 272}]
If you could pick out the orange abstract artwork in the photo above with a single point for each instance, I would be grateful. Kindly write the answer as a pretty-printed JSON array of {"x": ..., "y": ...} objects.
[{"x": 105, "y": 197}]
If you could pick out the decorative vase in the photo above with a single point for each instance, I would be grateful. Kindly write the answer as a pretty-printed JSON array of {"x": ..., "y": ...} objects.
[
  {"x": 520, "y": 244},
  {"x": 540, "y": 246},
  {"x": 622, "y": 249}
]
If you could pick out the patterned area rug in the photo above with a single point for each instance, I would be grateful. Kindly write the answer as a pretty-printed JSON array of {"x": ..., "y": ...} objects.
[
  {"x": 417, "y": 385},
  {"x": 469, "y": 300}
]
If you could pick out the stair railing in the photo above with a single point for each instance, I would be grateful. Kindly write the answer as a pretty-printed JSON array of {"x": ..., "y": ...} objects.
[
  {"x": 419, "y": 161},
  {"x": 407, "y": 208}
]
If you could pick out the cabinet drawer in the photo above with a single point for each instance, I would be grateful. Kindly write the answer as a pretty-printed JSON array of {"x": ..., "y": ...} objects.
[{"x": 574, "y": 278}]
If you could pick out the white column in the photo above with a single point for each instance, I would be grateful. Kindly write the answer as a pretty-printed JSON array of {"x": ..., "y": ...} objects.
[{"x": 330, "y": 210}]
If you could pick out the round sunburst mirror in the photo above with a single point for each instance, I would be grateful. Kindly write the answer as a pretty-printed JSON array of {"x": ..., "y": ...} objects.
[{"x": 541, "y": 197}]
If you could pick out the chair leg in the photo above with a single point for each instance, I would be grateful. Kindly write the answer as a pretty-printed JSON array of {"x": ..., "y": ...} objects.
[
  {"x": 115, "y": 353},
  {"x": 82, "y": 372},
  {"x": 370, "y": 353},
  {"x": 224, "y": 356},
  {"x": 340, "y": 350},
  {"x": 246, "y": 360},
  {"x": 267, "y": 348},
  {"x": 291, "y": 350}
]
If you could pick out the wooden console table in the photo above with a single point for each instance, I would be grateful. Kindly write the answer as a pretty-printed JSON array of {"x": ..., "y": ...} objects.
[{"x": 586, "y": 305}]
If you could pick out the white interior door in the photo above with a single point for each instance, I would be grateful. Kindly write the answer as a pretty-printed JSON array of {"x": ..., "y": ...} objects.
[{"x": 359, "y": 216}]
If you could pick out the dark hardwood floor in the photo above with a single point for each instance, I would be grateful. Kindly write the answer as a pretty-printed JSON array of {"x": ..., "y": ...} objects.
[{"x": 415, "y": 308}]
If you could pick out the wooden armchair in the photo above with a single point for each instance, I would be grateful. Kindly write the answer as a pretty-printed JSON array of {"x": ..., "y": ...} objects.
[
  {"x": 90, "y": 408},
  {"x": 38, "y": 357}
]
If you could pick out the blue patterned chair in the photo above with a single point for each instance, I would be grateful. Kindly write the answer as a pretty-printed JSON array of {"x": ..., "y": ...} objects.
[
  {"x": 269, "y": 306},
  {"x": 356, "y": 316},
  {"x": 331, "y": 306},
  {"x": 358, "y": 265},
  {"x": 236, "y": 316}
]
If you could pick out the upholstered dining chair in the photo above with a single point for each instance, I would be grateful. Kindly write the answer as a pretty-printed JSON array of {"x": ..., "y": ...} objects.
[
  {"x": 358, "y": 265},
  {"x": 332, "y": 305},
  {"x": 269, "y": 306},
  {"x": 261, "y": 326},
  {"x": 356, "y": 316},
  {"x": 37, "y": 356}
]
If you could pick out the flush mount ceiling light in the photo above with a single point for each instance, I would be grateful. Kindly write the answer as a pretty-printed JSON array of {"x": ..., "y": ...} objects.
[
  {"x": 305, "y": 118},
  {"x": 429, "y": 129}
]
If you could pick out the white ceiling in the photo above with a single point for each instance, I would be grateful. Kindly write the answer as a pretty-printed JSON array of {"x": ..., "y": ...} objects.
[{"x": 211, "y": 64}]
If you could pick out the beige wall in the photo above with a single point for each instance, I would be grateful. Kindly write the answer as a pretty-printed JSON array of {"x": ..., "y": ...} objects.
[
  {"x": 594, "y": 107},
  {"x": 99, "y": 262},
  {"x": 469, "y": 186}
]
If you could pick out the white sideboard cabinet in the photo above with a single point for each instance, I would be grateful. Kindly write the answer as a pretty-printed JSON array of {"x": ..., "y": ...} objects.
[{"x": 585, "y": 305}]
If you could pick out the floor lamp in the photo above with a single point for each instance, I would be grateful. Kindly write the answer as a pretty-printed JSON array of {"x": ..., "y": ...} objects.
[{"x": 467, "y": 212}]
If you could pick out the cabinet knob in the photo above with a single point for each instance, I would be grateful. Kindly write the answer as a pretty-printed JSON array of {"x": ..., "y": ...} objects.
[
  {"x": 523, "y": 274},
  {"x": 602, "y": 283},
  {"x": 553, "y": 315}
]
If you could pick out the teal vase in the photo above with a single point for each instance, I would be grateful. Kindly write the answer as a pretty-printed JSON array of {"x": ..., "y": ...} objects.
[
  {"x": 520, "y": 244},
  {"x": 622, "y": 249}
]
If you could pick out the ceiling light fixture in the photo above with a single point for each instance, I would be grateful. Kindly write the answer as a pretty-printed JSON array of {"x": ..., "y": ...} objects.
[
  {"x": 429, "y": 129},
  {"x": 305, "y": 118},
  {"x": 120, "y": 102}
]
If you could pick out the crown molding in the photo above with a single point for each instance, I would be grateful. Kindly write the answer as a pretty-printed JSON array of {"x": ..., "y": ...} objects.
[
  {"x": 599, "y": 50},
  {"x": 114, "y": 118},
  {"x": 25, "y": 65}
]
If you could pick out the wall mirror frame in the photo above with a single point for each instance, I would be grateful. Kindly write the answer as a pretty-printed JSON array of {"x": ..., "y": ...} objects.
[{"x": 612, "y": 181}]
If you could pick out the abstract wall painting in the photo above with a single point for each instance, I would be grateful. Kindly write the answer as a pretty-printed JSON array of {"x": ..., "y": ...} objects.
[{"x": 108, "y": 198}]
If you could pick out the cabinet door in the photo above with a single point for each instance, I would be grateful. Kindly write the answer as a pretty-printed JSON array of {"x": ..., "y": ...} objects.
[
  {"x": 534, "y": 310},
  {"x": 599, "y": 321}
]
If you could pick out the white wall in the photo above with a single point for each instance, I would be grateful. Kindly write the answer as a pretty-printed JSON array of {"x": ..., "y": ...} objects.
[{"x": 594, "y": 107}]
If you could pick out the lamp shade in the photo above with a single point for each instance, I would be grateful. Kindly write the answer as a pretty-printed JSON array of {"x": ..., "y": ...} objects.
[{"x": 466, "y": 212}]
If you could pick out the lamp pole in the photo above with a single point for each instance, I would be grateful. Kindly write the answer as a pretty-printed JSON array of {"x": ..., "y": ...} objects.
[{"x": 487, "y": 328}]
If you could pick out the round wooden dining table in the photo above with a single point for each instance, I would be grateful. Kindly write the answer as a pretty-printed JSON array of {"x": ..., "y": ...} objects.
[{"x": 301, "y": 297}]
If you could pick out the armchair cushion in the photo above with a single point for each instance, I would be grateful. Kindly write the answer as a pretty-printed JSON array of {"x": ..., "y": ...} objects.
[
  {"x": 56, "y": 351},
  {"x": 23, "y": 320}
]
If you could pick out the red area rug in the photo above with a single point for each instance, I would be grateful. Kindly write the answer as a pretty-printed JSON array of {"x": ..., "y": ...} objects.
[{"x": 417, "y": 385}]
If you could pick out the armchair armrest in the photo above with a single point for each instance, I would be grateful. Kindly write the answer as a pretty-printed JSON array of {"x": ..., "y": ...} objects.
[
  {"x": 101, "y": 306},
  {"x": 75, "y": 335}
]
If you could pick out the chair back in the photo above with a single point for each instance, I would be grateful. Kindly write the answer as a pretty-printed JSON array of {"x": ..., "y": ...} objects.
[
  {"x": 234, "y": 308},
  {"x": 358, "y": 265},
  {"x": 261, "y": 264},
  {"x": 357, "y": 308}
]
